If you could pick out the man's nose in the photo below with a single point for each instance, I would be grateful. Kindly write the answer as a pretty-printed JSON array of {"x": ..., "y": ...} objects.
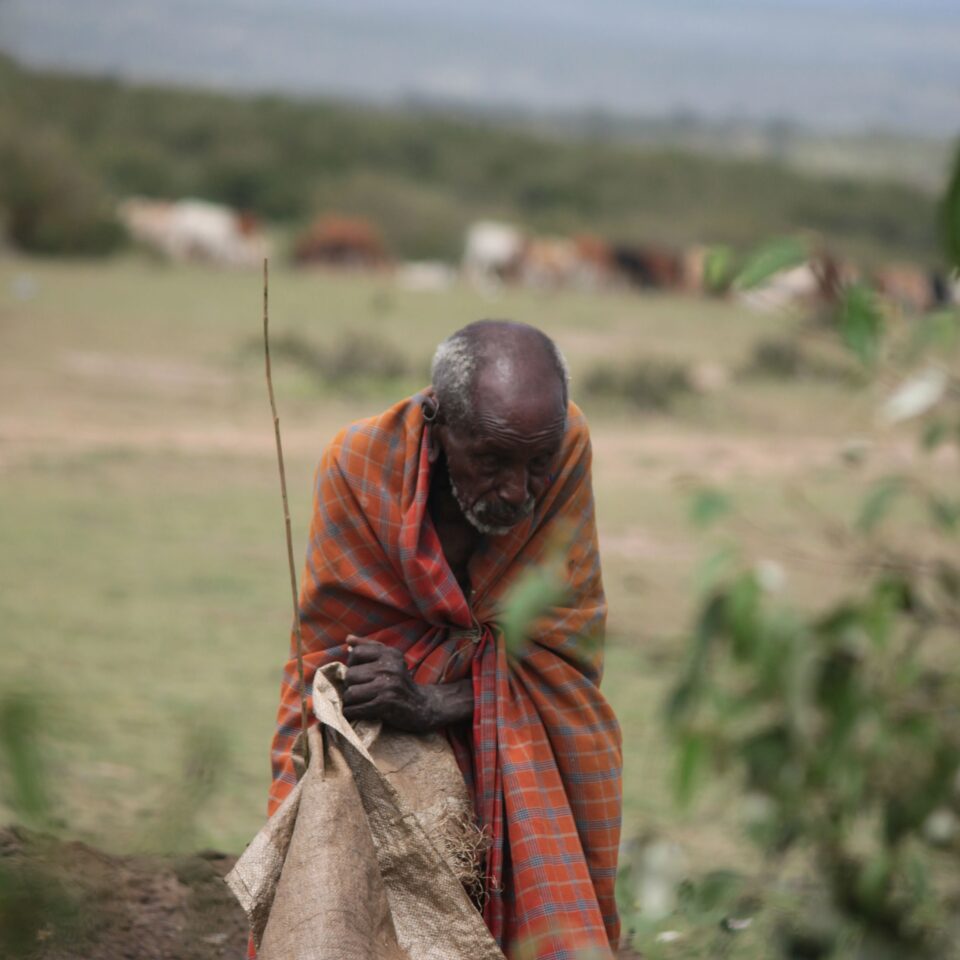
[{"x": 513, "y": 487}]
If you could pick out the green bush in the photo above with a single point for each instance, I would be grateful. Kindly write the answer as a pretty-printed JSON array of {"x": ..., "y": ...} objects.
[
  {"x": 788, "y": 358},
  {"x": 51, "y": 205},
  {"x": 838, "y": 725}
]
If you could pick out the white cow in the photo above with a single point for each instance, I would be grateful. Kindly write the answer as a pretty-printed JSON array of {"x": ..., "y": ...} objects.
[
  {"x": 492, "y": 253},
  {"x": 194, "y": 230},
  {"x": 799, "y": 284}
]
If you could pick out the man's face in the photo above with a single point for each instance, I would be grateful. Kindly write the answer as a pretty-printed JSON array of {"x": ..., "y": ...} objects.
[{"x": 502, "y": 466}]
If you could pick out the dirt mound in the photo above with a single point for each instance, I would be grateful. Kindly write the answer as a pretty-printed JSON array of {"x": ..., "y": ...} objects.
[{"x": 66, "y": 901}]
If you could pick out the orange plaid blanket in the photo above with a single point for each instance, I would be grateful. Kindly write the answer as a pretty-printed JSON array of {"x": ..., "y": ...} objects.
[{"x": 542, "y": 757}]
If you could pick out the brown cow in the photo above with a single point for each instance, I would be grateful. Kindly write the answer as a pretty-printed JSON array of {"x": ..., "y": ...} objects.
[
  {"x": 340, "y": 241},
  {"x": 580, "y": 263},
  {"x": 548, "y": 263},
  {"x": 653, "y": 267},
  {"x": 905, "y": 284}
]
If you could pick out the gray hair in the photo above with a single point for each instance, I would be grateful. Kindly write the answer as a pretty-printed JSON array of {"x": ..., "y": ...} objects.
[{"x": 460, "y": 357}]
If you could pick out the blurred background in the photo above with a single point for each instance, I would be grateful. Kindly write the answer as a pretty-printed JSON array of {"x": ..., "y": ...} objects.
[{"x": 707, "y": 206}]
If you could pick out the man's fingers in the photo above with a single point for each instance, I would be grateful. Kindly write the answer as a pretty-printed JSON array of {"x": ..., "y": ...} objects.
[
  {"x": 364, "y": 651},
  {"x": 363, "y": 711},
  {"x": 362, "y": 673},
  {"x": 362, "y": 693}
]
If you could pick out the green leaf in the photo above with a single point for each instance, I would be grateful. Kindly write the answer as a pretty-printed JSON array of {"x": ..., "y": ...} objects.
[
  {"x": 839, "y": 622},
  {"x": 873, "y": 879},
  {"x": 770, "y": 259},
  {"x": 896, "y": 591},
  {"x": 944, "y": 512},
  {"x": 692, "y": 756},
  {"x": 889, "y": 596},
  {"x": 950, "y": 217},
  {"x": 714, "y": 891},
  {"x": 709, "y": 505},
  {"x": 939, "y": 330},
  {"x": 714, "y": 568},
  {"x": 934, "y": 434},
  {"x": 916, "y": 875},
  {"x": 688, "y": 693},
  {"x": 718, "y": 269},
  {"x": 625, "y": 893},
  {"x": 743, "y": 616},
  {"x": 878, "y": 502},
  {"x": 534, "y": 593},
  {"x": 861, "y": 323},
  {"x": 765, "y": 755},
  {"x": 683, "y": 699}
]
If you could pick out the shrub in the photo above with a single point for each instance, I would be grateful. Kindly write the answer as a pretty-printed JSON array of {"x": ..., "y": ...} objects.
[
  {"x": 651, "y": 384},
  {"x": 53, "y": 206},
  {"x": 787, "y": 358},
  {"x": 358, "y": 355},
  {"x": 355, "y": 356}
]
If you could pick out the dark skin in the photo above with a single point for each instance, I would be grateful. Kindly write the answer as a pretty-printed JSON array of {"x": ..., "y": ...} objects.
[{"x": 499, "y": 465}]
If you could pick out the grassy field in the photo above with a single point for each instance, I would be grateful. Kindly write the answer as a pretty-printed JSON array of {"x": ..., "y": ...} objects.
[{"x": 144, "y": 584}]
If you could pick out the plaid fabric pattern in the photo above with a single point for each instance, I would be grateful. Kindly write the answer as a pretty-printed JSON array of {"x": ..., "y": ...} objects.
[{"x": 542, "y": 756}]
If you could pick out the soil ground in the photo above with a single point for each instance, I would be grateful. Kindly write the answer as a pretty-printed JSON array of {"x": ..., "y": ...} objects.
[
  {"x": 102, "y": 907},
  {"x": 119, "y": 907}
]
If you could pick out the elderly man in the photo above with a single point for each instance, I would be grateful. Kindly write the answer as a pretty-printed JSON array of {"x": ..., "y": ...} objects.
[{"x": 424, "y": 517}]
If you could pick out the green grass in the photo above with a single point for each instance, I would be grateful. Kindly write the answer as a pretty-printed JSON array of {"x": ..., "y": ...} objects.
[{"x": 143, "y": 565}]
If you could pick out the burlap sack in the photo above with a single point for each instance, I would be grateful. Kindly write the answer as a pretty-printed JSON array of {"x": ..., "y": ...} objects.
[{"x": 367, "y": 857}]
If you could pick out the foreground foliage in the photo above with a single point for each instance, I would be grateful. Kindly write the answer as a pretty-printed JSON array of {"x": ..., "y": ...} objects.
[{"x": 841, "y": 727}]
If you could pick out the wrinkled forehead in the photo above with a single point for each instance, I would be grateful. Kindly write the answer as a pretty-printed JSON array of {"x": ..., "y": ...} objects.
[{"x": 519, "y": 401}]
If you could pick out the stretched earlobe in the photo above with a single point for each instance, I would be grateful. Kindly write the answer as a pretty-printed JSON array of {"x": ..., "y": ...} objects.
[
  {"x": 431, "y": 407},
  {"x": 434, "y": 448}
]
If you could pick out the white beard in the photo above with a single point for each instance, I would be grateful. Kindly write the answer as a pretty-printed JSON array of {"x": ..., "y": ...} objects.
[{"x": 475, "y": 514}]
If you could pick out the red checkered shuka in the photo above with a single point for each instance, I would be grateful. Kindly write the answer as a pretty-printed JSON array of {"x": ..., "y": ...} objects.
[{"x": 542, "y": 757}]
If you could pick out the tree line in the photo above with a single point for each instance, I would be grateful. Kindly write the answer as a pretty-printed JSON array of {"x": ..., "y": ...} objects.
[{"x": 71, "y": 145}]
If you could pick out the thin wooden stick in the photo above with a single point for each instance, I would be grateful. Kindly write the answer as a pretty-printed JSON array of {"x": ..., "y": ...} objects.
[{"x": 286, "y": 508}]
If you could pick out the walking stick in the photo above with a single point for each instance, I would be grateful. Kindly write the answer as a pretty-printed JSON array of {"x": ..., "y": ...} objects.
[{"x": 286, "y": 511}]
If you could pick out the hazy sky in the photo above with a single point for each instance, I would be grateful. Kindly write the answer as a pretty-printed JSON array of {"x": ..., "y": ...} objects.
[{"x": 835, "y": 64}]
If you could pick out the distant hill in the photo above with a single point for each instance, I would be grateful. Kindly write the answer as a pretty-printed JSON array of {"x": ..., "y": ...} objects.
[
  {"x": 827, "y": 65},
  {"x": 423, "y": 175},
  {"x": 920, "y": 161}
]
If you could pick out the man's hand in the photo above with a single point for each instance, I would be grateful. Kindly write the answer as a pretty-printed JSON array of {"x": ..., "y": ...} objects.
[{"x": 379, "y": 687}]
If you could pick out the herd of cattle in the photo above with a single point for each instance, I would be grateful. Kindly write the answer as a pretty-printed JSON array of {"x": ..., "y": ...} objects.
[{"x": 497, "y": 254}]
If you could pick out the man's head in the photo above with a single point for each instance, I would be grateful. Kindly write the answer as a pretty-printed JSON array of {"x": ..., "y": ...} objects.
[{"x": 502, "y": 392}]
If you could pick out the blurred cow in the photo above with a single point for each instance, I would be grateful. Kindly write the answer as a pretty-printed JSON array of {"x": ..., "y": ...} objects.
[
  {"x": 195, "y": 230},
  {"x": 820, "y": 281},
  {"x": 595, "y": 268},
  {"x": 694, "y": 268},
  {"x": 795, "y": 286},
  {"x": 649, "y": 267},
  {"x": 549, "y": 263},
  {"x": 905, "y": 284},
  {"x": 340, "y": 241},
  {"x": 493, "y": 253}
]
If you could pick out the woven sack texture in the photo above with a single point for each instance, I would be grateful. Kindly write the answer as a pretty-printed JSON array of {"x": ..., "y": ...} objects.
[{"x": 369, "y": 855}]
